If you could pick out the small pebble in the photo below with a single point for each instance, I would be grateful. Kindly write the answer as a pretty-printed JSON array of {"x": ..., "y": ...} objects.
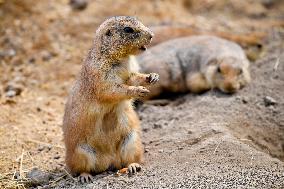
[
  {"x": 17, "y": 175},
  {"x": 10, "y": 94},
  {"x": 269, "y": 101},
  {"x": 46, "y": 56},
  {"x": 41, "y": 148},
  {"x": 13, "y": 90},
  {"x": 38, "y": 177},
  {"x": 244, "y": 100},
  {"x": 8, "y": 53},
  {"x": 31, "y": 60},
  {"x": 157, "y": 126},
  {"x": 145, "y": 130},
  {"x": 78, "y": 4}
]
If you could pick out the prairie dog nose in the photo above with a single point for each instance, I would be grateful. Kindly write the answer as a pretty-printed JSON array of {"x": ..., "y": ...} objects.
[
  {"x": 231, "y": 86},
  {"x": 151, "y": 34}
]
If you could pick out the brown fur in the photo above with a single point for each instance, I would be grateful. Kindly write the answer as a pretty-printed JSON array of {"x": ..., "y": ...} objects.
[{"x": 101, "y": 129}]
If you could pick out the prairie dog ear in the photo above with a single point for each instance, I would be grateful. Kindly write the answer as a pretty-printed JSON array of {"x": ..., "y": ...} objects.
[{"x": 108, "y": 33}]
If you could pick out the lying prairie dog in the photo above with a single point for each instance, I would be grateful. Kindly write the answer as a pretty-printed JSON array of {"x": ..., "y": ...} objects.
[{"x": 196, "y": 64}]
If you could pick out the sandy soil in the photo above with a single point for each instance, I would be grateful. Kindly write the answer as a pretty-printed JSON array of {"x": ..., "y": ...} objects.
[{"x": 209, "y": 140}]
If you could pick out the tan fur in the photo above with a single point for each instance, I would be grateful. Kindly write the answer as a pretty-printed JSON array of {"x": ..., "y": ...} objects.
[
  {"x": 192, "y": 64},
  {"x": 101, "y": 129},
  {"x": 232, "y": 75},
  {"x": 197, "y": 83}
]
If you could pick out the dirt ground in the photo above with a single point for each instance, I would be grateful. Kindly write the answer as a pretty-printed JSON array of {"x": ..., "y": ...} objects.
[{"x": 191, "y": 141}]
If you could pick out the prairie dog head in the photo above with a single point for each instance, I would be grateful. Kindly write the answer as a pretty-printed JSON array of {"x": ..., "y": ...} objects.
[
  {"x": 228, "y": 74},
  {"x": 120, "y": 36}
]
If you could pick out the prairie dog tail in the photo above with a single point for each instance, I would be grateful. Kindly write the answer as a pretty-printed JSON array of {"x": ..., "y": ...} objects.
[{"x": 133, "y": 64}]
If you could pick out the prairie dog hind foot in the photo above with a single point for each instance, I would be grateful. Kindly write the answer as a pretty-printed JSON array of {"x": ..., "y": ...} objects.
[{"x": 86, "y": 178}]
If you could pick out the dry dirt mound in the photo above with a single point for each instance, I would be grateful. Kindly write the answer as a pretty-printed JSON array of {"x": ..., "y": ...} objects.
[{"x": 213, "y": 140}]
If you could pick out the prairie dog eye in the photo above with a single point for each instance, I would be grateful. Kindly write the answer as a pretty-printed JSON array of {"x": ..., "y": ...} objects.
[
  {"x": 218, "y": 69},
  {"x": 128, "y": 30},
  {"x": 108, "y": 33},
  {"x": 240, "y": 71}
]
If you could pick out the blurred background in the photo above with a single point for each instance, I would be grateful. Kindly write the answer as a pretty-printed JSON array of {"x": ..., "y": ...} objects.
[
  {"x": 43, "y": 37},
  {"x": 43, "y": 43},
  {"x": 40, "y": 39}
]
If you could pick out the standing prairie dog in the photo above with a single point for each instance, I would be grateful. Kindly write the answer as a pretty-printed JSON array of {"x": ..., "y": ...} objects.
[
  {"x": 195, "y": 64},
  {"x": 101, "y": 129}
]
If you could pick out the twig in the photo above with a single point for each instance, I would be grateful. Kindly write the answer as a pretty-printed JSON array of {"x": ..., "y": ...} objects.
[
  {"x": 14, "y": 174},
  {"x": 275, "y": 67},
  {"x": 217, "y": 147},
  {"x": 251, "y": 159},
  {"x": 21, "y": 164},
  {"x": 58, "y": 179},
  {"x": 33, "y": 161},
  {"x": 244, "y": 139},
  {"x": 69, "y": 175}
]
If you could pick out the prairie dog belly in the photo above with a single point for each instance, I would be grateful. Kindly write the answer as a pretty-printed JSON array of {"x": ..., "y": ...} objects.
[{"x": 113, "y": 139}]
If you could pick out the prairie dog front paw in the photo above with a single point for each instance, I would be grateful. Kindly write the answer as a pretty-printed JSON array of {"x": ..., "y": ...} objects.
[
  {"x": 152, "y": 78},
  {"x": 138, "y": 91}
]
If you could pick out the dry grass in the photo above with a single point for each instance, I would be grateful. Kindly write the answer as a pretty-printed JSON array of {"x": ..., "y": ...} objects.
[{"x": 9, "y": 180}]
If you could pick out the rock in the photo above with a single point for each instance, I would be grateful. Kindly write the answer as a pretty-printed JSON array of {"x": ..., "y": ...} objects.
[
  {"x": 41, "y": 148},
  {"x": 145, "y": 130},
  {"x": 268, "y": 3},
  {"x": 10, "y": 94},
  {"x": 157, "y": 126},
  {"x": 13, "y": 90},
  {"x": 244, "y": 100},
  {"x": 189, "y": 132},
  {"x": 78, "y": 4},
  {"x": 161, "y": 151},
  {"x": 17, "y": 175},
  {"x": 38, "y": 177},
  {"x": 46, "y": 55},
  {"x": 269, "y": 101},
  {"x": 8, "y": 53},
  {"x": 31, "y": 60}
]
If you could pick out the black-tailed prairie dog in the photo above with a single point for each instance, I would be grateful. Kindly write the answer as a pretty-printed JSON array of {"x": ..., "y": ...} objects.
[
  {"x": 101, "y": 129},
  {"x": 195, "y": 64}
]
